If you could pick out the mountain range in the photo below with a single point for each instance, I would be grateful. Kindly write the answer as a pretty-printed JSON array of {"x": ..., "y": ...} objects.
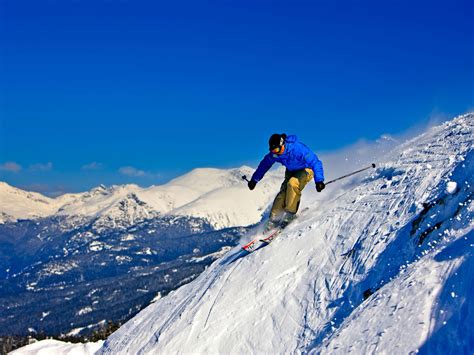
[
  {"x": 219, "y": 196},
  {"x": 104, "y": 254}
]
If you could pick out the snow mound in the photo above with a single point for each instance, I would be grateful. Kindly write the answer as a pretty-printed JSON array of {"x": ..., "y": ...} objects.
[
  {"x": 451, "y": 187},
  {"x": 384, "y": 266},
  {"x": 57, "y": 347}
]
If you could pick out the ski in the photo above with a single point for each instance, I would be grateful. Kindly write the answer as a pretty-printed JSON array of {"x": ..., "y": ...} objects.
[
  {"x": 257, "y": 242},
  {"x": 252, "y": 245},
  {"x": 272, "y": 235}
]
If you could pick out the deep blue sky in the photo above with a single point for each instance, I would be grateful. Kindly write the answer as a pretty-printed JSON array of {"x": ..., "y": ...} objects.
[{"x": 166, "y": 86}]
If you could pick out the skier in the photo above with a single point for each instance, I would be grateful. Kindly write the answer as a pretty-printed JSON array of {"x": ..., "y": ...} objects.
[{"x": 301, "y": 166}]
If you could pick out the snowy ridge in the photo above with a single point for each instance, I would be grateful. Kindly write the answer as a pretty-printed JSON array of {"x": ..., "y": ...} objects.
[
  {"x": 399, "y": 238},
  {"x": 16, "y": 203},
  {"x": 217, "y": 195}
]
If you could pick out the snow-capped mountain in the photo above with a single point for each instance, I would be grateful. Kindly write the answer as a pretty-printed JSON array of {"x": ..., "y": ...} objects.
[
  {"x": 219, "y": 196},
  {"x": 148, "y": 240},
  {"x": 216, "y": 195},
  {"x": 16, "y": 203},
  {"x": 383, "y": 265}
]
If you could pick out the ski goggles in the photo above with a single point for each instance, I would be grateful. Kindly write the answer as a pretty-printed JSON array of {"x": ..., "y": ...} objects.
[{"x": 278, "y": 150}]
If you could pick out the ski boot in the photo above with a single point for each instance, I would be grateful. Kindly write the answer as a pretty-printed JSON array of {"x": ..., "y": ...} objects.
[
  {"x": 287, "y": 218},
  {"x": 271, "y": 224}
]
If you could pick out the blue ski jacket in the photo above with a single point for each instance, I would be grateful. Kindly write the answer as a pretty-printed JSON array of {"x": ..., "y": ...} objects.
[{"x": 296, "y": 156}]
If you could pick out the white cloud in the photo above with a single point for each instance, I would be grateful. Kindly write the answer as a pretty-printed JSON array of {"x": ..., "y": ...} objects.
[
  {"x": 41, "y": 167},
  {"x": 131, "y": 171},
  {"x": 134, "y": 172},
  {"x": 10, "y": 166},
  {"x": 93, "y": 166}
]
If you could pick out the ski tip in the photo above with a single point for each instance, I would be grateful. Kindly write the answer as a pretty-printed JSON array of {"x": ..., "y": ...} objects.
[{"x": 249, "y": 247}]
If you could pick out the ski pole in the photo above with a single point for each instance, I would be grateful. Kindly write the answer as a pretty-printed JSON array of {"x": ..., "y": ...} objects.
[
  {"x": 339, "y": 178},
  {"x": 350, "y": 174}
]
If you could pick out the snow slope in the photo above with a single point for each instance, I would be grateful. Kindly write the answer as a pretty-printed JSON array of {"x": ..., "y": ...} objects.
[
  {"x": 220, "y": 196},
  {"x": 400, "y": 238},
  {"x": 50, "y": 346},
  {"x": 16, "y": 203}
]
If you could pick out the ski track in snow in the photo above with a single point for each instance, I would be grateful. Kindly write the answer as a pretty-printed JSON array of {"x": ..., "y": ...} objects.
[{"x": 379, "y": 265}]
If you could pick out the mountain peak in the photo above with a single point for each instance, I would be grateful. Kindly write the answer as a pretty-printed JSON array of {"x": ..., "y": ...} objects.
[{"x": 16, "y": 203}]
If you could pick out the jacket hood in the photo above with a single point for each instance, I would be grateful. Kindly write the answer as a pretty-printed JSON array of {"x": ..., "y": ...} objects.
[{"x": 291, "y": 138}]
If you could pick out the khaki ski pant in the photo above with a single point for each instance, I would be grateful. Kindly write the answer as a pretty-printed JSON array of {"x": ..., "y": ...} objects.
[{"x": 288, "y": 199}]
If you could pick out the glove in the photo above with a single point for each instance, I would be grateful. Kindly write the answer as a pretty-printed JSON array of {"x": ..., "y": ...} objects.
[
  {"x": 320, "y": 186},
  {"x": 252, "y": 184}
]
